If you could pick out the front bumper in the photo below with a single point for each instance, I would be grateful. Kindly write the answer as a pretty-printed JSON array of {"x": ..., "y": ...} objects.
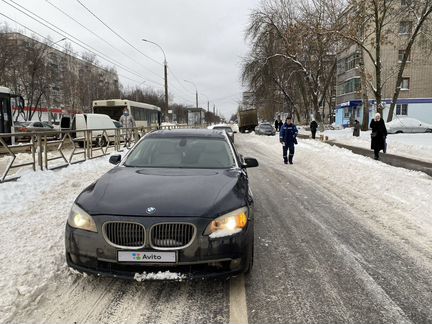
[{"x": 205, "y": 258}]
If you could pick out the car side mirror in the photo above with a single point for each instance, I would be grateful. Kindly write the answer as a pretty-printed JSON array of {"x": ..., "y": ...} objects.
[
  {"x": 250, "y": 163},
  {"x": 115, "y": 159}
]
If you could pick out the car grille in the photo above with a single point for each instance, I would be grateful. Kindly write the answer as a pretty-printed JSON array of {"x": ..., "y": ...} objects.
[
  {"x": 171, "y": 235},
  {"x": 123, "y": 234}
]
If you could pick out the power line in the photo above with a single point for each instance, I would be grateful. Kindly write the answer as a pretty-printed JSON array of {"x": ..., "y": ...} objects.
[
  {"x": 117, "y": 34},
  {"x": 77, "y": 42},
  {"x": 179, "y": 82},
  {"x": 101, "y": 38},
  {"x": 111, "y": 61}
]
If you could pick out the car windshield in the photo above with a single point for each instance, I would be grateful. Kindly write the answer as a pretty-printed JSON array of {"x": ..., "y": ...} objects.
[
  {"x": 266, "y": 126},
  {"x": 182, "y": 152},
  {"x": 228, "y": 129}
]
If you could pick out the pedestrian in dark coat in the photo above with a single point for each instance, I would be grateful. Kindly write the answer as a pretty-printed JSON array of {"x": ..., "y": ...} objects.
[
  {"x": 276, "y": 125},
  {"x": 378, "y": 135},
  {"x": 313, "y": 128},
  {"x": 356, "y": 131},
  {"x": 288, "y": 137}
]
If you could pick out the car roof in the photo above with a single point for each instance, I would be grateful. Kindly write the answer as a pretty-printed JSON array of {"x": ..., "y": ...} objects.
[{"x": 189, "y": 132}]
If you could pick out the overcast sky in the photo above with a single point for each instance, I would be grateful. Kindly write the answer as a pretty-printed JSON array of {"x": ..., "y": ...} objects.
[{"x": 203, "y": 41}]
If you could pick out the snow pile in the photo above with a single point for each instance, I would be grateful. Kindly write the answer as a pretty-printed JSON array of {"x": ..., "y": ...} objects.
[
  {"x": 33, "y": 215},
  {"x": 225, "y": 232},
  {"x": 417, "y": 146},
  {"x": 166, "y": 275}
]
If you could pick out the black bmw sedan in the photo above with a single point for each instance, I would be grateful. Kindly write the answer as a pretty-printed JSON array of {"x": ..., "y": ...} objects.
[{"x": 178, "y": 202}]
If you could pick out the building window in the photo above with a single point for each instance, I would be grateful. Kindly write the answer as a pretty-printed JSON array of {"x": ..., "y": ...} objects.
[
  {"x": 350, "y": 86},
  {"x": 405, "y": 27},
  {"x": 348, "y": 63},
  {"x": 346, "y": 113},
  {"x": 402, "y": 110},
  {"x": 405, "y": 84},
  {"x": 401, "y": 55}
]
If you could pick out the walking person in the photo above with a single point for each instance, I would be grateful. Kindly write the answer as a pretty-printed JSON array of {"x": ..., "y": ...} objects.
[
  {"x": 276, "y": 125},
  {"x": 313, "y": 128},
  {"x": 356, "y": 131},
  {"x": 288, "y": 137},
  {"x": 128, "y": 122},
  {"x": 279, "y": 123},
  {"x": 378, "y": 135}
]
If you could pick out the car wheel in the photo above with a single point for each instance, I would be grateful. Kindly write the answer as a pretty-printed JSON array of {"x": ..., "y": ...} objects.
[
  {"x": 429, "y": 130},
  {"x": 102, "y": 142},
  {"x": 399, "y": 132}
]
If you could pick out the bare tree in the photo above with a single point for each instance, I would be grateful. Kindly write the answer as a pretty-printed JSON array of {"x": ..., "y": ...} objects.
[{"x": 289, "y": 39}]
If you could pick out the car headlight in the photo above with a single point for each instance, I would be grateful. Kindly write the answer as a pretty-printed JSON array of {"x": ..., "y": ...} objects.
[
  {"x": 78, "y": 218},
  {"x": 228, "y": 224}
]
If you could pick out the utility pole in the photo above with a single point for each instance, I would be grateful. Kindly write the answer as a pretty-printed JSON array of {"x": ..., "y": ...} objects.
[
  {"x": 196, "y": 92},
  {"x": 165, "y": 76},
  {"x": 166, "y": 86}
]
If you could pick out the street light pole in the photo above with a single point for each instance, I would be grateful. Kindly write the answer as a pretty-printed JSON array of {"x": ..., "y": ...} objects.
[
  {"x": 196, "y": 91},
  {"x": 165, "y": 74},
  {"x": 208, "y": 101}
]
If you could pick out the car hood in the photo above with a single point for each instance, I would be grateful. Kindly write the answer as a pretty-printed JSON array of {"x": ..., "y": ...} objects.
[{"x": 171, "y": 192}]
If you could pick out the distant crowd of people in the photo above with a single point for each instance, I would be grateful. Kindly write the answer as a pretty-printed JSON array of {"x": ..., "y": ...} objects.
[{"x": 288, "y": 135}]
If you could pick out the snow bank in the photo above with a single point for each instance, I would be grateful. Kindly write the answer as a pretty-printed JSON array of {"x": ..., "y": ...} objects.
[
  {"x": 416, "y": 146},
  {"x": 33, "y": 215}
]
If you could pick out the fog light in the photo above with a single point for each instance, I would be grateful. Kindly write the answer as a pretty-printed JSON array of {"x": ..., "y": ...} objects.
[{"x": 235, "y": 264}]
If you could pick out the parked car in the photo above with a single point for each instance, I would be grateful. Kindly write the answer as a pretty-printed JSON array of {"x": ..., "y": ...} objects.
[
  {"x": 33, "y": 126},
  {"x": 227, "y": 129},
  {"x": 407, "y": 125},
  {"x": 178, "y": 201},
  {"x": 265, "y": 129}
]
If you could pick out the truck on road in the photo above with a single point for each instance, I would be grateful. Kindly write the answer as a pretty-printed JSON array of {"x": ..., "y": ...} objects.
[{"x": 247, "y": 120}]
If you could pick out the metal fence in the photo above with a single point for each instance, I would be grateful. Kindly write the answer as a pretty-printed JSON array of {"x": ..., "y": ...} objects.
[{"x": 71, "y": 146}]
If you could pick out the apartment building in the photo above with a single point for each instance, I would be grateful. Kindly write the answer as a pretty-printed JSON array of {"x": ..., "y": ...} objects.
[
  {"x": 415, "y": 98},
  {"x": 67, "y": 84}
]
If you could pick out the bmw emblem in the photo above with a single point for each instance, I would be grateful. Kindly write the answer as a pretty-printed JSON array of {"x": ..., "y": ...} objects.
[{"x": 151, "y": 210}]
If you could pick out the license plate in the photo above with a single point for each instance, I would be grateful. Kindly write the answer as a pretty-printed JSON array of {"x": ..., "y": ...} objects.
[{"x": 146, "y": 257}]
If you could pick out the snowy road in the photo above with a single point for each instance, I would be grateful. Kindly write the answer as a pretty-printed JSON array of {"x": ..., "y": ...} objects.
[{"x": 339, "y": 239}]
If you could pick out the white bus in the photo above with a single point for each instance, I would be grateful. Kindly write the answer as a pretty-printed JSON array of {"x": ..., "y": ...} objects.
[{"x": 145, "y": 115}]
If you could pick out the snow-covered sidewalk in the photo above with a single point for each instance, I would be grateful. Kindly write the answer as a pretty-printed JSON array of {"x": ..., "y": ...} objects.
[
  {"x": 416, "y": 146},
  {"x": 33, "y": 213}
]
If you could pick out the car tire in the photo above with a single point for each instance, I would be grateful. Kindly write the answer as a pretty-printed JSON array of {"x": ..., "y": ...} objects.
[
  {"x": 101, "y": 141},
  {"x": 399, "y": 132}
]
